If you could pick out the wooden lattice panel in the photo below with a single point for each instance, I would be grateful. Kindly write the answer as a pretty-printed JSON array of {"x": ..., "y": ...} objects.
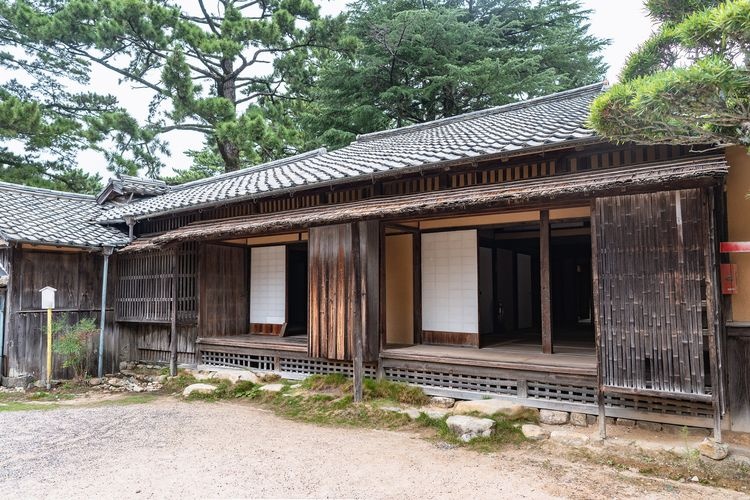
[
  {"x": 562, "y": 392},
  {"x": 237, "y": 360},
  {"x": 456, "y": 381},
  {"x": 660, "y": 405},
  {"x": 308, "y": 366}
]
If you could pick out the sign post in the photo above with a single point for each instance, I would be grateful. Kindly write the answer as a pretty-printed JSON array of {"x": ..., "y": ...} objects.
[{"x": 48, "y": 303}]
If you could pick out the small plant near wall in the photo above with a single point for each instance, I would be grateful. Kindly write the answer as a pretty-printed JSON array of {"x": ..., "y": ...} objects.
[{"x": 72, "y": 343}]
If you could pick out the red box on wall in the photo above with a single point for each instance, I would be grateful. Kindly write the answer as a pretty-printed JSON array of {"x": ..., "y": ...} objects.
[{"x": 728, "y": 279}]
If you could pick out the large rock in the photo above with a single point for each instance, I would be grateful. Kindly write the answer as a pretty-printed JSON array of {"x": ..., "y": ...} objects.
[
  {"x": 435, "y": 413},
  {"x": 491, "y": 407},
  {"x": 116, "y": 382},
  {"x": 468, "y": 428},
  {"x": 578, "y": 419},
  {"x": 235, "y": 376},
  {"x": 626, "y": 422},
  {"x": 442, "y": 402},
  {"x": 713, "y": 450},
  {"x": 272, "y": 387},
  {"x": 553, "y": 417},
  {"x": 649, "y": 426},
  {"x": 569, "y": 438},
  {"x": 534, "y": 432},
  {"x": 198, "y": 389}
]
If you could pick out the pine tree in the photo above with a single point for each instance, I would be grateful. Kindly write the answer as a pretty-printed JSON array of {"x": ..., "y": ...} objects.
[{"x": 689, "y": 83}]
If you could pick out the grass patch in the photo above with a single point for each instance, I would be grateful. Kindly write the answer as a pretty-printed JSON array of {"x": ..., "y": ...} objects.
[
  {"x": 178, "y": 383},
  {"x": 372, "y": 390},
  {"x": 507, "y": 431},
  {"x": 723, "y": 474},
  {"x": 25, "y": 406}
]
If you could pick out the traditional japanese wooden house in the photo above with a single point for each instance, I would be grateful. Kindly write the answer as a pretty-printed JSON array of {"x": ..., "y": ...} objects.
[
  {"x": 508, "y": 253},
  {"x": 49, "y": 238}
]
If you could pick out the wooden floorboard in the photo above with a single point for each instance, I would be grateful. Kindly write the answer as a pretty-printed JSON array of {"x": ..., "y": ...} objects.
[
  {"x": 297, "y": 343},
  {"x": 578, "y": 361}
]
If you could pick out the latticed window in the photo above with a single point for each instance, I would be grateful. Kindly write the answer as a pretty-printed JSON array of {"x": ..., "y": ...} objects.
[{"x": 146, "y": 287}]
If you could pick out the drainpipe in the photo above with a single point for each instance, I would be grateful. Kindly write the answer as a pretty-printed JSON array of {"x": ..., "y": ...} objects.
[
  {"x": 106, "y": 251},
  {"x": 3, "y": 292},
  {"x": 130, "y": 221}
]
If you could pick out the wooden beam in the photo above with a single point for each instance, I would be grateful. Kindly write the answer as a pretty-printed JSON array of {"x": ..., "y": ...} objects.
[
  {"x": 417, "y": 286},
  {"x": 545, "y": 282},
  {"x": 712, "y": 311},
  {"x": 358, "y": 317},
  {"x": 173, "y": 322}
]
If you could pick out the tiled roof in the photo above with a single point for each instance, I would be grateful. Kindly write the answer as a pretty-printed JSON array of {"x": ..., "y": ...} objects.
[
  {"x": 124, "y": 185},
  {"x": 505, "y": 130},
  {"x": 41, "y": 216}
]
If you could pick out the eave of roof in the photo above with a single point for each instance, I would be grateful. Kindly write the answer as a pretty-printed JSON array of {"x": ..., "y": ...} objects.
[
  {"x": 567, "y": 186},
  {"x": 429, "y": 167},
  {"x": 39, "y": 216}
]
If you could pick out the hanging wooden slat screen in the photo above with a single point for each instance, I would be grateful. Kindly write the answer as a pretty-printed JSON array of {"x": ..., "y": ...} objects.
[
  {"x": 335, "y": 312},
  {"x": 651, "y": 290}
]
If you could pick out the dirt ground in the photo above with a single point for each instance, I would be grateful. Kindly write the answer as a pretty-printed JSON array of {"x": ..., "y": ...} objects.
[{"x": 169, "y": 448}]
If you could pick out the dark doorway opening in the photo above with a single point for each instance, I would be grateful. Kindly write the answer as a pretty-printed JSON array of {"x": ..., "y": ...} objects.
[
  {"x": 510, "y": 286},
  {"x": 297, "y": 292}
]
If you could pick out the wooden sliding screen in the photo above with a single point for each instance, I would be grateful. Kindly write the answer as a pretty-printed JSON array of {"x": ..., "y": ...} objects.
[
  {"x": 651, "y": 291},
  {"x": 223, "y": 291},
  {"x": 336, "y": 312}
]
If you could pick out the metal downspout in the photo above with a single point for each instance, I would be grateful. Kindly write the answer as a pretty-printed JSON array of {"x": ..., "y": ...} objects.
[
  {"x": 3, "y": 300},
  {"x": 106, "y": 251}
]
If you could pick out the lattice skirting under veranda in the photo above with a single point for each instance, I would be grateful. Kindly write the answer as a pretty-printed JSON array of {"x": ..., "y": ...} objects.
[{"x": 450, "y": 380}]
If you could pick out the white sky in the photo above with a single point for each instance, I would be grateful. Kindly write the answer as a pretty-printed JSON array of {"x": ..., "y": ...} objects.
[{"x": 624, "y": 22}]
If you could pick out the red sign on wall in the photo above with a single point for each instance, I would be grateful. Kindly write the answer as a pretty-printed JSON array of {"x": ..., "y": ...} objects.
[
  {"x": 728, "y": 279},
  {"x": 734, "y": 246}
]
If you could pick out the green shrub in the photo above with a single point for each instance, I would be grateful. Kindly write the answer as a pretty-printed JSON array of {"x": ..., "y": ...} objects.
[{"x": 72, "y": 343}]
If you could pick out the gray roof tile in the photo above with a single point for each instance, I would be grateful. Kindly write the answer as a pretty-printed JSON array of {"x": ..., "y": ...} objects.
[
  {"x": 542, "y": 122},
  {"x": 41, "y": 216}
]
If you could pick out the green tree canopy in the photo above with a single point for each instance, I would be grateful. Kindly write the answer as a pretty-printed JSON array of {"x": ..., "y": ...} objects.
[
  {"x": 689, "y": 83},
  {"x": 218, "y": 69},
  {"x": 411, "y": 61}
]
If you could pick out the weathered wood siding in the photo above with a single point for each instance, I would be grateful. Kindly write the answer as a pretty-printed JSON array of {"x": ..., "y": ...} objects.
[
  {"x": 335, "y": 310},
  {"x": 144, "y": 302},
  {"x": 223, "y": 291},
  {"x": 651, "y": 272},
  {"x": 77, "y": 278}
]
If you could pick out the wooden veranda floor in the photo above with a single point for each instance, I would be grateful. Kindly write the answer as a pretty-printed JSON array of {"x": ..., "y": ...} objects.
[
  {"x": 570, "y": 358},
  {"x": 294, "y": 343}
]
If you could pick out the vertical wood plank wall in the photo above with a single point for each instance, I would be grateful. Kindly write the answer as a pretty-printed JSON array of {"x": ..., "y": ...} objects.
[
  {"x": 223, "y": 291},
  {"x": 333, "y": 306},
  {"x": 77, "y": 278},
  {"x": 651, "y": 272}
]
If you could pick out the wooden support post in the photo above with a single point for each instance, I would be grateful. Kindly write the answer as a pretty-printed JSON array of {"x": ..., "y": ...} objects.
[
  {"x": 544, "y": 236},
  {"x": 173, "y": 320},
  {"x": 417, "y": 286},
  {"x": 712, "y": 311},
  {"x": 359, "y": 314},
  {"x": 597, "y": 322}
]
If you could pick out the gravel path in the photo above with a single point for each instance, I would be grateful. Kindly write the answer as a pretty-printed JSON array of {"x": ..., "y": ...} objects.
[{"x": 174, "y": 449}]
